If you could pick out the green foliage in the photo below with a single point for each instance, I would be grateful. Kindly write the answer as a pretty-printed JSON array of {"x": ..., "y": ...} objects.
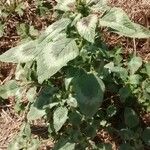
[
  {"x": 12, "y": 6},
  {"x": 75, "y": 83}
]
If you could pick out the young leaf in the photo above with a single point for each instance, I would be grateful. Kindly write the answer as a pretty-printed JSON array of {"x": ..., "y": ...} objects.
[
  {"x": 131, "y": 118},
  {"x": 89, "y": 92},
  {"x": 20, "y": 54},
  {"x": 120, "y": 22},
  {"x": 59, "y": 118},
  {"x": 87, "y": 26},
  {"x": 9, "y": 89},
  {"x": 35, "y": 113},
  {"x": 134, "y": 64},
  {"x": 54, "y": 56},
  {"x": 66, "y": 5}
]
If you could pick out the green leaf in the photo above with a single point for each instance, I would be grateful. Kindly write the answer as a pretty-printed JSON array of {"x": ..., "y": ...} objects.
[
  {"x": 29, "y": 50},
  {"x": 54, "y": 56},
  {"x": 146, "y": 136},
  {"x": 135, "y": 79},
  {"x": 64, "y": 144},
  {"x": 35, "y": 113},
  {"x": 87, "y": 26},
  {"x": 38, "y": 108},
  {"x": 131, "y": 118},
  {"x": 72, "y": 102},
  {"x": 66, "y": 5},
  {"x": 147, "y": 66},
  {"x": 9, "y": 89},
  {"x": 54, "y": 29},
  {"x": 134, "y": 64},
  {"x": 111, "y": 111},
  {"x": 20, "y": 54},
  {"x": 126, "y": 147},
  {"x": 60, "y": 117},
  {"x": 119, "y": 21},
  {"x": 124, "y": 93},
  {"x": 98, "y": 5},
  {"x": 31, "y": 94},
  {"x": 68, "y": 146},
  {"x": 89, "y": 92}
]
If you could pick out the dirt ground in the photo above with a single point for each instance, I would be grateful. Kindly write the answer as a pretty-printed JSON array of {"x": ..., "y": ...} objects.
[{"x": 10, "y": 122}]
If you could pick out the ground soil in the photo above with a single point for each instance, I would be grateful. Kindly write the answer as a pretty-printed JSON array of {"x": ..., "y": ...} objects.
[{"x": 10, "y": 122}]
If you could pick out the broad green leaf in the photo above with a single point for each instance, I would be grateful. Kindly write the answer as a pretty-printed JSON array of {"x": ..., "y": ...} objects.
[
  {"x": 60, "y": 116},
  {"x": 55, "y": 28},
  {"x": 21, "y": 53},
  {"x": 64, "y": 144},
  {"x": 98, "y": 5},
  {"x": 35, "y": 113},
  {"x": 29, "y": 50},
  {"x": 89, "y": 2},
  {"x": 131, "y": 118},
  {"x": 120, "y": 22},
  {"x": 38, "y": 108},
  {"x": 54, "y": 56},
  {"x": 146, "y": 136},
  {"x": 87, "y": 26},
  {"x": 89, "y": 92},
  {"x": 9, "y": 89},
  {"x": 134, "y": 64},
  {"x": 66, "y": 5}
]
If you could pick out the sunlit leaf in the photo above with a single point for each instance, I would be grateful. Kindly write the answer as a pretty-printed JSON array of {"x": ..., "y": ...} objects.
[
  {"x": 59, "y": 118},
  {"x": 20, "y": 54},
  {"x": 117, "y": 19},
  {"x": 87, "y": 26},
  {"x": 134, "y": 64},
  {"x": 9, "y": 89},
  {"x": 54, "y": 56},
  {"x": 66, "y": 5}
]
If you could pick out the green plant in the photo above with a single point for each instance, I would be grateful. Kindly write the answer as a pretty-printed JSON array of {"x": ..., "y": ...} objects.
[
  {"x": 67, "y": 73},
  {"x": 11, "y": 6}
]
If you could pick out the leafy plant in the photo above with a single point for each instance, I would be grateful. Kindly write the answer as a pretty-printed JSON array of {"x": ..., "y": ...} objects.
[
  {"x": 11, "y": 6},
  {"x": 68, "y": 71}
]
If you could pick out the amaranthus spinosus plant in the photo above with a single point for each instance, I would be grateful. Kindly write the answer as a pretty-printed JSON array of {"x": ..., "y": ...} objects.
[{"x": 68, "y": 51}]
